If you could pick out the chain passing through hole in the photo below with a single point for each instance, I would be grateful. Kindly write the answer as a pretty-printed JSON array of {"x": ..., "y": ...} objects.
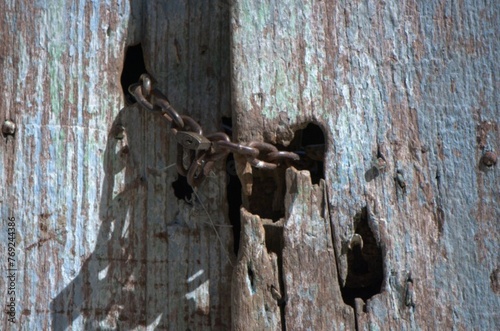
[{"x": 196, "y": 152}]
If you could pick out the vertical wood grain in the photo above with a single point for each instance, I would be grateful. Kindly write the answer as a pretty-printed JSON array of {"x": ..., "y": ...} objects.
[
  {"x": 102, "y": 240},
  {"x": 313, "y": 291},
  {"x": 415, "y": 82},
  {"x": 60, "y": 84},
  {"x": 255, "y": 278}
]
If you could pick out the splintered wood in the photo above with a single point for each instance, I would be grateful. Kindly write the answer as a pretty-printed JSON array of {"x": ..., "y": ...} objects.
[{"x": 310, "y": 293}]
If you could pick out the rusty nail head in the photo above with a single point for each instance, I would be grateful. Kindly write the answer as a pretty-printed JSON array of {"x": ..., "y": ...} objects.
[
  {"x": 8, "y": 128},
  {"x": 489, "y": 159}
]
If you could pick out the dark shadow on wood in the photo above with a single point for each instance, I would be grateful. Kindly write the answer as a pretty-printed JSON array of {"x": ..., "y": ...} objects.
[
  {"x": 182, "y": 190},
  {"x": 371, "y": 174},
  {"x": 233, "y": 188},
  {"x": 268, "y": 191},
  {"x": 365, "y": 265},
  {"x": 133, "y": 68},
  {"x": 274, "y": 244},
  {"x": 112, "y": 279},
  {"x": 113, "y": 287},
  {"x": 234, "y": 200},
  {"x": 309, "y": 143}
]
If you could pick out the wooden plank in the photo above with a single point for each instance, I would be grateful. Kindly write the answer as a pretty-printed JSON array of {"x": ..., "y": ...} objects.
[
  {"x": 60, "y": 86},
  {"x": 255, "y": 280},
  {"x": 183, "y": 42},
  {"x": 414, "y": 82},
  {"x": 102, "y": 241},
  {"x": 314, "y": 300}
]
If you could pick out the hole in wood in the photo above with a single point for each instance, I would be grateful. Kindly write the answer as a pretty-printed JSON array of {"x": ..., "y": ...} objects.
[
  {"x": 182, "y": 190},
  {"x": 133, "y": 68},
  {"x": 251, "y": 278},
  {"x": 364, "y": 261},
  {"x": 268, "y": 191},
  {"x": 309, "y": 143}
]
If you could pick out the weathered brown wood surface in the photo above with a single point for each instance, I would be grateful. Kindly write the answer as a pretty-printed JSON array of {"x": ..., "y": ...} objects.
[
  {"x": 102, "y": 242},
  {"x": 415, "y": 82}
]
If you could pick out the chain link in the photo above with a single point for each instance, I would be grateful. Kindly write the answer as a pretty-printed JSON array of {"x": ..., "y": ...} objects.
[{"x": 197, "y": 153}]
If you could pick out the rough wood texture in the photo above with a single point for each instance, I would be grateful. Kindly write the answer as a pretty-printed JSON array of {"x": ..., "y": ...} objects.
[
  {"x": 415, "y": 82},
  {"x": 309, "y": 268},
  {"x": 255, "y": 278},
  {"x": 102, "y": 240}
]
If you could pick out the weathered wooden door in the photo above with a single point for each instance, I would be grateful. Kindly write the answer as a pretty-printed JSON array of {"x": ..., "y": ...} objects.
[{"x": 390, "y": 220}]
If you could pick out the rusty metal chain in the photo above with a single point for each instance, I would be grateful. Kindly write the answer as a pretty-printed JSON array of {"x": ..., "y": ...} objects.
[{"x": 203, "y": 150}]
